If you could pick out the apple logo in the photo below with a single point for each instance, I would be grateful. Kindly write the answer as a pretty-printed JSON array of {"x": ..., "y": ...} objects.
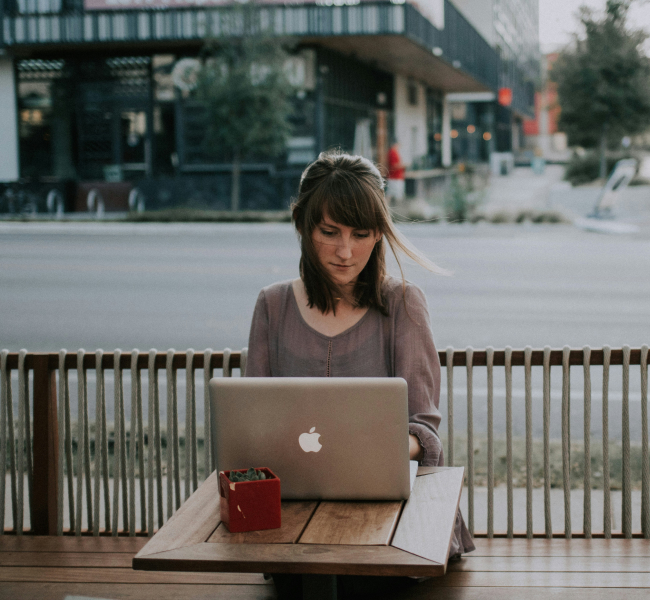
[{"x": 309, "y": 441}]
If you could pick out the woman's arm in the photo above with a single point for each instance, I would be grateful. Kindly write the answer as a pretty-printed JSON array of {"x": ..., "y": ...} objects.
[
  {"x": 259, "y": 364},
  {"x": 416, "y": 360},
  {"x": 415, "y": 450}
]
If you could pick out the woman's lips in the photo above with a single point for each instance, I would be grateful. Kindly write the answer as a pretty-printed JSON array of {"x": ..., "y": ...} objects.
[{"x": 342, "y": 267}]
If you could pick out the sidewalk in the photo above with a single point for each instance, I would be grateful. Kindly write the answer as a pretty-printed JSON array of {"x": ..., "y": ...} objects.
[{"x": 523, "y": 190}]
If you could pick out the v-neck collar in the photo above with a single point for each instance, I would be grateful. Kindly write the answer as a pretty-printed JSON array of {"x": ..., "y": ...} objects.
[{"x": 315, "y": 331}]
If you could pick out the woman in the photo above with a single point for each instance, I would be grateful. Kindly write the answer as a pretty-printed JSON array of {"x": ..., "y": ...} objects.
[{"x": 344, "y": 316}]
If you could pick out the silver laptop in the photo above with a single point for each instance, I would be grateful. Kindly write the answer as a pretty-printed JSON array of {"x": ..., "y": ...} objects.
[{"x": 341, "y": 438}]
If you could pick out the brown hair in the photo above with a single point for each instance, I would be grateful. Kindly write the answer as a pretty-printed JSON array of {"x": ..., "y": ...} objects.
[{"x": 351, "y": 190}]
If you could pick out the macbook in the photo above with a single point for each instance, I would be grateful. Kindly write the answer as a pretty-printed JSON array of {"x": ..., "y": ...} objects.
[{"x": 325, "y": 438}]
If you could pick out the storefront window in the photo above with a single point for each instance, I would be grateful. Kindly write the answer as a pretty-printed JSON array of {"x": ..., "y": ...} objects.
[
  {"x": 472, "y": 124},
  {"x": 44, "y": 118},
  {"x": 35, "y": 131}
]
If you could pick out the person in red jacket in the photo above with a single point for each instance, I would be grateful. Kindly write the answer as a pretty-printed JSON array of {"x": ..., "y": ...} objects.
[{"x": 395, "y": 183}]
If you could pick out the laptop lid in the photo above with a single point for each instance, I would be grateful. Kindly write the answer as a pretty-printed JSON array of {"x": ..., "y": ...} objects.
[{"x": 340, "y": 438}]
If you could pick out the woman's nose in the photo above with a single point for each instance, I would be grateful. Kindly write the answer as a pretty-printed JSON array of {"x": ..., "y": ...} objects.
[{"x": 344, "y": 249}]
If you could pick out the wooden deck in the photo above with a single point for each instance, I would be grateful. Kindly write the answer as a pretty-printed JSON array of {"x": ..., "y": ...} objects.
[{"x": 51, "y": 568}]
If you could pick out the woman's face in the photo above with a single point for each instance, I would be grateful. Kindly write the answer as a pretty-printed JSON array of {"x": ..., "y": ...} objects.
[{"x": 343, "y": 251}]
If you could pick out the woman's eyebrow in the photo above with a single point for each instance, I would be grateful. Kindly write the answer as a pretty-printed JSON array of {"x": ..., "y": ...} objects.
[{"x": 324, "y": 223}]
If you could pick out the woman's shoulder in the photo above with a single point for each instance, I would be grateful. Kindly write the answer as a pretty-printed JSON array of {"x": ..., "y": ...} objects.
[
  {"x": 405, "y": 301},
  {"x": 276, "y": 293},
  {"x": 396, "y": 289}
]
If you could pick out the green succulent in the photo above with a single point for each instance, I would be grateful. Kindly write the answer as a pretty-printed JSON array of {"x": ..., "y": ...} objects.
[{"x": 250, "y": 475}]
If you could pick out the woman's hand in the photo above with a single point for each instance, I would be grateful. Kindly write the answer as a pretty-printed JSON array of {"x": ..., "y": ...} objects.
[{"x": 415, "y": 450}]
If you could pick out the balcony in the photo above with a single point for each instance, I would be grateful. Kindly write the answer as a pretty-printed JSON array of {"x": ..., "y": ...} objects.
[{"x": 397, "y": 37}]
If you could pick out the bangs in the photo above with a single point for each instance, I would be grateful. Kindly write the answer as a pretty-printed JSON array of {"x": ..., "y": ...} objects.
[{"x": 347, "y": 201}]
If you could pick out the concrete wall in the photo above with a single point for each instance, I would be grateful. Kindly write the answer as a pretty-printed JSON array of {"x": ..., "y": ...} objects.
[
  {"x": 8, "y": 122},
  {"x": 480, "y": 13},
  {"x": 410, "y": 120}
]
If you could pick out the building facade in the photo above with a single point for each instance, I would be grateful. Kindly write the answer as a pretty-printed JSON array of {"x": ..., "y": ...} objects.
[
  {"x": 92, "y": 98},
  {"x": 511, "y": 28},
  {"x": 542, "y": 133}
]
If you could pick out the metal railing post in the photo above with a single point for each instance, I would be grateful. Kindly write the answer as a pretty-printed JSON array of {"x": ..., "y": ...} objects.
[{"x": 45, "y": 497}]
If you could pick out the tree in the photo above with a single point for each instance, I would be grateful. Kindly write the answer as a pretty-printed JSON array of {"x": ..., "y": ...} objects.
[
  {"x": 603, "y": 81},
  {"x": 244, "y": 87}
]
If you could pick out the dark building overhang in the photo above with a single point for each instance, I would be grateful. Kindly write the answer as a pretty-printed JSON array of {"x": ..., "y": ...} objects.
[
  {"x": 394, "y": 37},
  {"x": 402, "y": 55}
]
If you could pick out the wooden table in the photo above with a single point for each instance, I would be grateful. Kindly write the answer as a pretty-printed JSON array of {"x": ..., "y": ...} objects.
[{"x": 317, "y": 539}]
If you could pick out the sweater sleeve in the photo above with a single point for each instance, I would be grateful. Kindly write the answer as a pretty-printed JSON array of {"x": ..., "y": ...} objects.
[
  {"x": 416, "y": 360},
  {"x": 258, "y": 364}
]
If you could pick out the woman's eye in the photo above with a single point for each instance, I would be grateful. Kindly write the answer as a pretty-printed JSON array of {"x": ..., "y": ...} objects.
[
  {"x": 362, "y": 234},
  {"x": 327, "y": 233}
]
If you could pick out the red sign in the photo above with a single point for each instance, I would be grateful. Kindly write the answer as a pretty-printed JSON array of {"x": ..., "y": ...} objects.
[{"x": 505, "y": 96}]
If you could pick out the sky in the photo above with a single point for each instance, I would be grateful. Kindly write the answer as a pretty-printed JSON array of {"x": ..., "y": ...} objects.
[{"x": 557, "y": 19}]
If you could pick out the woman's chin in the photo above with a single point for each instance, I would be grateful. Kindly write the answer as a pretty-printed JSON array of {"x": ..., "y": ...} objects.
[{"x": 343, "y": 280}]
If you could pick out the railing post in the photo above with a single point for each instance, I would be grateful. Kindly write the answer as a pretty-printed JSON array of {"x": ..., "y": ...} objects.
[{"x": 46, "y": 448}]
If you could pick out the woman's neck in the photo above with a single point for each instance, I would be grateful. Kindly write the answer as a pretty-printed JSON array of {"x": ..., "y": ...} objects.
[
  {"x": 331, "y": 323},
  {"x": 345, "y": 298}
]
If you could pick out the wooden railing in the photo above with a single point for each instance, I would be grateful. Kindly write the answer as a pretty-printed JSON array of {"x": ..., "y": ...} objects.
[
  {"x": 52, "y": 451},
  {"x": 152, "y": 469}
]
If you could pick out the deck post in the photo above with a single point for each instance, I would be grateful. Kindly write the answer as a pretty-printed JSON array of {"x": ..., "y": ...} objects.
[{"x": 46, "y": 447}]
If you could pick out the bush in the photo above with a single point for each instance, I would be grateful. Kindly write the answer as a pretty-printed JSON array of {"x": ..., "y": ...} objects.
[
  {"x": 585, "y": 168},
  {"x": 194, "y": 215},
  {"x": 549, "y": 217},
  {"x": 460, "y": 197},
  {"x": 501, "y": 217}
]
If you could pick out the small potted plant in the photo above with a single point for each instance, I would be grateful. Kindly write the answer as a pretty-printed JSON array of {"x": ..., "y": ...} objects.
[{"x": 250, "y": 499}]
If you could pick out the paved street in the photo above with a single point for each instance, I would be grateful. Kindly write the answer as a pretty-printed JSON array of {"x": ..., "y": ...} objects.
[{"x": 121, "y": 285}]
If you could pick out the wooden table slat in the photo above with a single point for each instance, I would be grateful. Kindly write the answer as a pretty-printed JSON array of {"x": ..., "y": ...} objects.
[
  {"x": 291, "y": 558},
  {"x": 192, "y": 523},
  {"x": 295, "y": 516},
  {"x": 352, "y": 523},
  {"x": 427, "y": 522}
]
